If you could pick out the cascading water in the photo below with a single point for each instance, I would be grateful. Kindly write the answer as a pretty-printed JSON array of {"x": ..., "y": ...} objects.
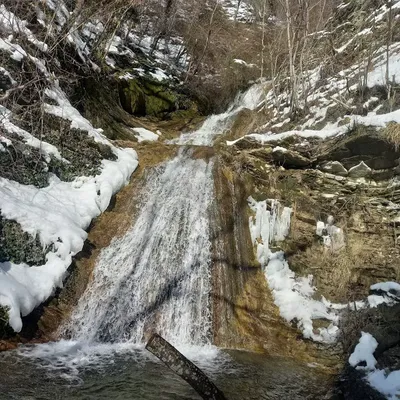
[
  {"x": 217, "y": 124},
  {"x": 156, "y": 277}
]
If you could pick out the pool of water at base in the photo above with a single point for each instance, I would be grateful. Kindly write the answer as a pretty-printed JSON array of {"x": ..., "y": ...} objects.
[{"x": 126, "y": 373}]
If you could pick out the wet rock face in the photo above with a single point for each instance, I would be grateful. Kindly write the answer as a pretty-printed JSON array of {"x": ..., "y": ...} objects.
[
  {"x": 334, "y": 177},
  {"x": 144, "y": 97},
  {"x": 244, "y": 313}
]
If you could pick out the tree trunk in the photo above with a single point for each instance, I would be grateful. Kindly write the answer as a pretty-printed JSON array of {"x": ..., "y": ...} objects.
[
  {"x": 178, "y": 363},
  {"x": 292, "y": 71}
]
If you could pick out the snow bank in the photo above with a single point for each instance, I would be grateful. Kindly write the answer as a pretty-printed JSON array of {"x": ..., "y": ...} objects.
[
  {"x": 387, "y": 287},
  {"x": 387, "y": 383},
  {"x": 293, "y": 296},
  {"x": 46, "y": 149},
  {"x": 58, "y": 214},
  {"x": 66, "y": 111},
  {"x": 335, "y": 90},
  {"x": 306, "y": 133}
]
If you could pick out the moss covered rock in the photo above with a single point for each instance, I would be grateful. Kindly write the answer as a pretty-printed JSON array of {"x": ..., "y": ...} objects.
[
  {"x": 145, "y": 97},
  {"x": 140, "y": 97},
  {"x": 133, "y": 99},
  {"x": 18, "y": 246}
]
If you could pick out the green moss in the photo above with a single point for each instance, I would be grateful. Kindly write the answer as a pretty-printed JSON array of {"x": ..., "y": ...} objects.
[
  {"x": 18, "y": 246},
  {"x": 157, "y": 105},
  {"x": 133, "y": 98},
  {"x": 144, "y": 97},
  {"x": 185, "y": 114}
]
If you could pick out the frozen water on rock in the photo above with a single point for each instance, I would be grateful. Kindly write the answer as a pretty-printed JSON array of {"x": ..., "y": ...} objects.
[
  {"x": 333, "y": 237},
  {"x": 294, "y": 295}
]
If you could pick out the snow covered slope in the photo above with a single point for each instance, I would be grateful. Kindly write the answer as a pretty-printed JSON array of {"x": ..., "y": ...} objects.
[
  {"x": 332, "y": 102},
  {"x": 58, "y": 212}
]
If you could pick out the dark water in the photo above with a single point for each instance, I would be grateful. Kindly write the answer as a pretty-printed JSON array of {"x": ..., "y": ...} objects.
[{"x": 122, "y": 373}]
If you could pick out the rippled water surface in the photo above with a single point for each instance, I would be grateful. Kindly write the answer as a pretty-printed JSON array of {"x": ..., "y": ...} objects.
[{"x": 68, "y": 370}]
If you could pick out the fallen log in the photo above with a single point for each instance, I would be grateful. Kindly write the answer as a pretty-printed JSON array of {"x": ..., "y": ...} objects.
[{"x": 178, "y": 363}]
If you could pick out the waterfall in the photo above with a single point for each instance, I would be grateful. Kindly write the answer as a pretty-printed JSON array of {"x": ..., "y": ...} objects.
[{"x": 157, "y": 276}]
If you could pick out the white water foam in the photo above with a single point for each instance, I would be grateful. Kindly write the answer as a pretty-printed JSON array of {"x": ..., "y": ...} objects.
[{"x": 157, "y": 276}]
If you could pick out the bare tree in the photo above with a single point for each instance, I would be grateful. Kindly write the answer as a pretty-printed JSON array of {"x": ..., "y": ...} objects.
[
  {"x": 166, "y": 23},
  {"x": 388, "y": 43},
  {"x": 239, "y": 2}
]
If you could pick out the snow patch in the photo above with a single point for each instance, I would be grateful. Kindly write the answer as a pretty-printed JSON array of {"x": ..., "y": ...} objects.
[
  {"x": 46, "y": 149},
  {"x": 143, "y": 134},
  {"x": 387, "y": 287},
  {"x": 387, "y": 383},
  {"x": 364, "y": 352},
  {"x": 11, "y": 23},
  {"x": 332, "y": 236},
  {"x": 66, "y": 111}
]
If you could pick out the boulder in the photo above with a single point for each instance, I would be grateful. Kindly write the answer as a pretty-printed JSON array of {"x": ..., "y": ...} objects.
[
  {"x": 334, "y": 167},
  {"x": 145, "y": 97},
  {"x": 282, "y": 157}
]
